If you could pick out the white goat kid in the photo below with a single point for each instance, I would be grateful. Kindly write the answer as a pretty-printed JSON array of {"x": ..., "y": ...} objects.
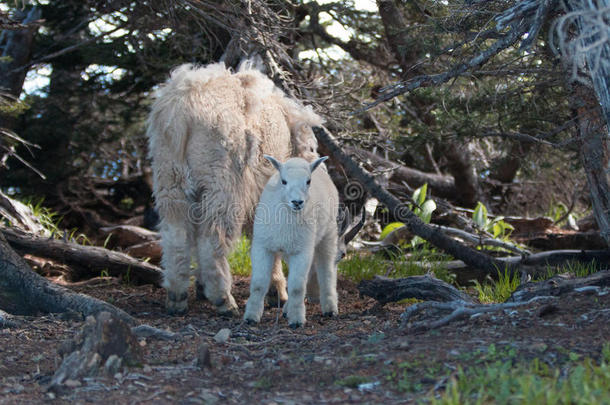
[{"x": 297, "y": 218}]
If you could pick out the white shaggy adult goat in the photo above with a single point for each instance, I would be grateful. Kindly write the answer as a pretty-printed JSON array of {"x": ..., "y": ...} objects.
[
  {"x": 208, "y": 130},
  {"x": 296, "y": 217}
]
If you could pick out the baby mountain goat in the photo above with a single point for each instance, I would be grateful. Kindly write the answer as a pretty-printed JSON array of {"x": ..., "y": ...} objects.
[{"x": 296, "y": 217}]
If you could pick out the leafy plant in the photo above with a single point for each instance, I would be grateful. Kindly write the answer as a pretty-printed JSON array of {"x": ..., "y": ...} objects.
[
  {"x": 497, "y": 227},
  {"x": 421, "y": 207}
]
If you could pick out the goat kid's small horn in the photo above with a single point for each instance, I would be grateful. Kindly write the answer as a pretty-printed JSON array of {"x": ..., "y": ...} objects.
[
  {"x": 273, "y": 161},
  {"x": 317, "y": 162}
]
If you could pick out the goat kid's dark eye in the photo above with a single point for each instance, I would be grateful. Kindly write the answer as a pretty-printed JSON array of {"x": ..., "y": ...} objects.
[
  {"x": 309, "y": 182},
  {"x": 283, "y": 181}
]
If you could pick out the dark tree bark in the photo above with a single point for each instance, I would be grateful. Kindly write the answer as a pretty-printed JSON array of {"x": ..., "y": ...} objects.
[
  {"x": 19, "y": 49},
  {"x": 22, "y": 291},
  {"x": 426, "y": 288},
  {"x": 560, "y": 284},
  {"x": 439, "y": 185}
]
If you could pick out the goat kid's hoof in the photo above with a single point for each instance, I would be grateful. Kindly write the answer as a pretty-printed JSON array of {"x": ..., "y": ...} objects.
[
  {"x": 295, "y": 325},
  {"x": 176, "y": 304},
  {"x": 329, "y": 314},
  {"x": 251, "y": 322}
]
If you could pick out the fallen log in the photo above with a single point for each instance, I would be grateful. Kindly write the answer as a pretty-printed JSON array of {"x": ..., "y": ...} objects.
[
  {"x": 560, "y": 284},
  {"x": 147, "y": 250},
  {"x": 23, "y": 292},
  {"x": 426, "y": 288},
  {"x": 124, "y": 236},
  {"x": 440, "y": 185},
  {"x": 537, "y": 263},
  {"x": 89, "y": 261}
]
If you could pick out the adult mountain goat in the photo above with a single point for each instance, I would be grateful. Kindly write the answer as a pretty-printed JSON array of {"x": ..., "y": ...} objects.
[
  {"x": 208, "y": 131},
  {"x": 296, "y": 217}
]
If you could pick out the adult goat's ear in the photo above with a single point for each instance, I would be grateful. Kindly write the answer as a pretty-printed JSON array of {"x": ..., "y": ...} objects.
[
  {"x": 317, "y": 162},
  {"x": 273, "y": 161}
]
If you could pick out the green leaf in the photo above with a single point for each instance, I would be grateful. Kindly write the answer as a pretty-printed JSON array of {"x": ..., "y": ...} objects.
[
  {"x": 427, "y": 209},
  {"x": 419, "y": 195},
  {"x": 389, "y": 228},
  {"x": 479, "y": 217}
]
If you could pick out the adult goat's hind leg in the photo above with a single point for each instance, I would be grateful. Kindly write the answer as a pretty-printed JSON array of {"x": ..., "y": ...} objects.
[
  {"x": 176, "y": 262},
  {"x": 215, "y": 273},
  {"x": 278, "y": 284}
]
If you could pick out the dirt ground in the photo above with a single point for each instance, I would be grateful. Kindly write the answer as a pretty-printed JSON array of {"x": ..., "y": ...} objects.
[{"x": 361, "y": 356}]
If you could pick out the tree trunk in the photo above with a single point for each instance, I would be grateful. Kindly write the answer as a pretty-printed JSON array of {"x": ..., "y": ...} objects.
[
  {"x": 595, "y": 47},
  {"x": 22, "y": 291},
  {"x": 18, "y": 49}
]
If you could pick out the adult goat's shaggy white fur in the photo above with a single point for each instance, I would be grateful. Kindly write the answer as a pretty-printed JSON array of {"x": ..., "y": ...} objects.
[
  {"x": 208, "y": 130},
  {"x": 296, "y": 217}
]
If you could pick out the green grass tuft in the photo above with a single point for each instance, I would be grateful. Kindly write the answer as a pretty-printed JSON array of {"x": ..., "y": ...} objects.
[
  {"x": 239, "y": 259},
  {"x": 363, "y": 266},
  {"x": 505, "y": 383},
  {"x": 497, "y": 290}
]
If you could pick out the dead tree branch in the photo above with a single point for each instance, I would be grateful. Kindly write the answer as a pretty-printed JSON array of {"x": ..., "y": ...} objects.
[
  {"x": 402, "y": 213},
  {"x": 89, "y": 259},
  {"x": 385, "y": 290}
]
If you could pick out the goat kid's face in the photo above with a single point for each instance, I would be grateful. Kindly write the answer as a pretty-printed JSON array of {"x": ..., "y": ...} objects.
[{"x": 295, "y": 179}]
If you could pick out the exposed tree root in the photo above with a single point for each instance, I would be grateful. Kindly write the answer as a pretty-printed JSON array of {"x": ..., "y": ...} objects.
[{"x": 460, "y": 310}]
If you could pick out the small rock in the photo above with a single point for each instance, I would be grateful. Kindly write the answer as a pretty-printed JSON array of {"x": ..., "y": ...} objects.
[
  {"x": 249, "y": 364},
  {"x": 204, "y": 359},
  {"x": 70, "y": 383},
  {"x": 147, "y": 369},
  {"x": 118, "y": 376},
  {"x": 113, "y": 364},
  {"x": 223, "y": 335},
  {"x": 318, "y": 359}
]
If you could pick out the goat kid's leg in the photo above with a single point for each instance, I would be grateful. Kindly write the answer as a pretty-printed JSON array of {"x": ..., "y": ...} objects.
[
  {"x": 262, "y": 262},
  {"x": 176, "y": 261},
  {"x": 278, "y": 284},
  {"x": 215, "y": 275},
  {"x": 294, "y": 309},
  {"x": 327, "y": 279}
]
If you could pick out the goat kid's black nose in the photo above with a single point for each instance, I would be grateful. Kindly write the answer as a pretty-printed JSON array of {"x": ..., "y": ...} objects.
[{"x": 297, "y": 203}]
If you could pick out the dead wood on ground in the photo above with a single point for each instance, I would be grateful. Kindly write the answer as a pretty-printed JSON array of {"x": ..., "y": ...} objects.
[
  {"x": 22, "y": 291},
  {"x": 427, "y": 288},
  {"x": 561, "y": 284},
  {"x": 89, "y": 261}
]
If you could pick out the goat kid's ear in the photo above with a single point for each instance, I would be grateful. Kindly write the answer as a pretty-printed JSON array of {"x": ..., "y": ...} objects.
[
  {"x": 317, "y": 162},
  {"x": 273, "y": 161}
]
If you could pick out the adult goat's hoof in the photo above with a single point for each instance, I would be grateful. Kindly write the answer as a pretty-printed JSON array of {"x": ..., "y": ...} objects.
[
  {"x": 227, "y": 307},
  {"x": 295, "y": 325},
  {"x": 329, "y": 314},
  {"x": 176, "y": 304},
  {"x": 251, "y": 322}
]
